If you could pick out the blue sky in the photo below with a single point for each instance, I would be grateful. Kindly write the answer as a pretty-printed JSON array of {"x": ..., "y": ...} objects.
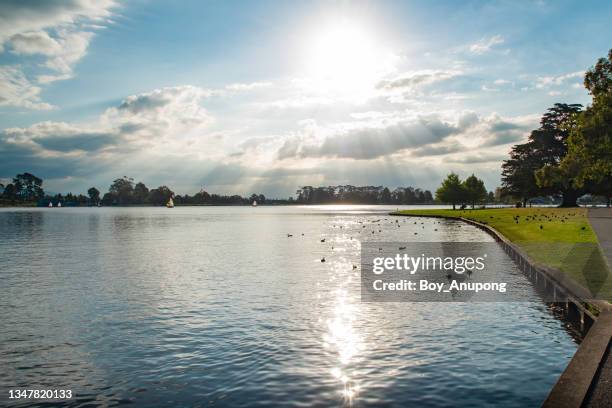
[{"x": 267, "y": 96}]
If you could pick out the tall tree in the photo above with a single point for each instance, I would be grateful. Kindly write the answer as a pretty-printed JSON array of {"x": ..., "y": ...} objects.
[
  {"x": 518, "y": 173},
  {"x": 9, "y": 192},
  {"x": 94, "y": 195},
  {"x": 475, "y": 191},
  {"x": 385, "y": 196},
  {"x": 141, "y": 193},
  {"x": 551, "y": 140},
  {"x": 160, "y": 195},
  {"x": 528, "y": 172},
  {"x": 28, "y": 187},
  {"x": 590, "y": 143},
  {"x": 451, "y": 191},
  {"x": 598, "y": 80},
  {"x": 122, "y": 190}
]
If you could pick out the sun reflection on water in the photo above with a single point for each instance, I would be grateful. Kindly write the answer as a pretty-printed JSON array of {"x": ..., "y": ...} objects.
[{"x": 342, "y": 337}]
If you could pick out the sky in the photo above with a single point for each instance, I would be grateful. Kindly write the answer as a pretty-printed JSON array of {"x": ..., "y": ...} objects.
[{"x": 268, "y": 96}]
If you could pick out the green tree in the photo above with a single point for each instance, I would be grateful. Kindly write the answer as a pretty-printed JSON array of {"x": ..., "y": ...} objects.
[
  {"x": 94, "y": 195},
  {"x": 451, "y": 191},
  {"x": 475, "y": 191},
  {"x": 527, "y": 173},
  {"x": 385, "y": 196},
  {"x": 598, "y": 80},
  {"x": 160, "y": 195},
  {"x": 122, "y": 190},
  {"x": 28, "y": 187},
  {"x": 557, "y": 125},
  {"x": 141, "y": 193},
  {"x": 9, "y": 192},
  {"x": 518, "y": 173},
  {"x": 589, "y": 155}
]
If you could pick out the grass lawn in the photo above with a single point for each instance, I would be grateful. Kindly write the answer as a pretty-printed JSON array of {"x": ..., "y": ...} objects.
[{"x": 558, "y": 237}]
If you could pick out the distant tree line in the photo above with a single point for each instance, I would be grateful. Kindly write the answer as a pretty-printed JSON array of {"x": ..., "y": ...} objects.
[
  {"x": 362, "y": 195},
  {"x": 124, "y": 191},
  {"x": 570, "y": 154},
  {"x": 27, "y": 189}
]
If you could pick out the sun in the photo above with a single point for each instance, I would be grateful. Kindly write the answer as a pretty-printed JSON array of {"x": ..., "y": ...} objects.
[{"x": 347, "y": 57}]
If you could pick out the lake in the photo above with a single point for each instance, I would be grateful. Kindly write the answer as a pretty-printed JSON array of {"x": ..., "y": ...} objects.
[{"x": 217, "y": 306}]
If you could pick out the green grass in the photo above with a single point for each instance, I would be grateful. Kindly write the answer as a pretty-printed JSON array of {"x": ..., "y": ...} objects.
[{"x": 561, "y": 238}]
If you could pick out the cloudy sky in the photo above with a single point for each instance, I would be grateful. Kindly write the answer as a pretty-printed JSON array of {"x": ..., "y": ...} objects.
[{"x": 267, "y": 96}]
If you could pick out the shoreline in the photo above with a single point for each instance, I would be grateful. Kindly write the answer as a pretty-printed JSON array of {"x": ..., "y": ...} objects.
[{"x": 593, "y": 317}]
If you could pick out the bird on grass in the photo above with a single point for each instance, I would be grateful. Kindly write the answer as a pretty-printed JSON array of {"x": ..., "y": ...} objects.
[{"x": 323, "y": 259}]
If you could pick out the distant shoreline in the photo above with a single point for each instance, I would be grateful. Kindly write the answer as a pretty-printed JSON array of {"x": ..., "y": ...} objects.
[{"x": 34, "y": 205}]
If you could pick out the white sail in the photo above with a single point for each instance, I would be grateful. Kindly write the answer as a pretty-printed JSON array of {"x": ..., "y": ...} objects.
[
  {"x": 170, "y": 203},
  {"x": 254, "y": 203},
  {"x": 50, "y": 203},
  {"x": 59, "y": 204}
]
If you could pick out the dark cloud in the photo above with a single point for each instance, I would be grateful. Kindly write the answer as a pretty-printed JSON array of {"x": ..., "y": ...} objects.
[
  {"x": 84, "y": 141},
  {"x": 145, "y": 102},
  {"x": 501, "y": 132},
  {"x": 503, "y": 138},
  {"x": 371, "y": 143},
  {"x": 416, "y": 79},
  {"x": 224, "y": 174},
  {"x": 502, "y": 126},
  {"x": 437, "y": 150},
  {"x": 17, "y": 159}
]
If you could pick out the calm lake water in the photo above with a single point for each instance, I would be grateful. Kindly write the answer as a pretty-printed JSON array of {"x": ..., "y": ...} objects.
[{"x": 200, "y": 306}]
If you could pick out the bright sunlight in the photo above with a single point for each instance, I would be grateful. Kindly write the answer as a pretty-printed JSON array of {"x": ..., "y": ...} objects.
[{"x": 346, "y": 57}]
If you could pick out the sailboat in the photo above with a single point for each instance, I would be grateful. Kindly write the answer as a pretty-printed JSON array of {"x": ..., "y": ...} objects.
[
  {"x": 50, "y": 203},
  {"x": 254, "y": 204},
  {"x": 170, "y": 203},
  {"x": 59, "y": 204}
]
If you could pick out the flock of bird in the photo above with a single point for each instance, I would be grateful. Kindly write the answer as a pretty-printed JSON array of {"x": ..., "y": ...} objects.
[
  {"x": 378, "y": 225},
  {"x": 542, "y": 218}
]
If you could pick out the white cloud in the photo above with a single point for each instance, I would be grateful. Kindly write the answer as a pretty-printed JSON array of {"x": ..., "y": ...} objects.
[
  {"x": 17, "y": 17},
  {"x": 73, "y": 48},
  {"x": 548, "y": 81},
  {"x": 486, "y": 44},
  {"x": 502, "y": 82},
  {"x": 57, "y": 30},
  {"x": 148, "y": 120},
  {"x": 238, "y": 87},
  {"x": 16, "y": 90},
  {"x": 34, "y": 42}
]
